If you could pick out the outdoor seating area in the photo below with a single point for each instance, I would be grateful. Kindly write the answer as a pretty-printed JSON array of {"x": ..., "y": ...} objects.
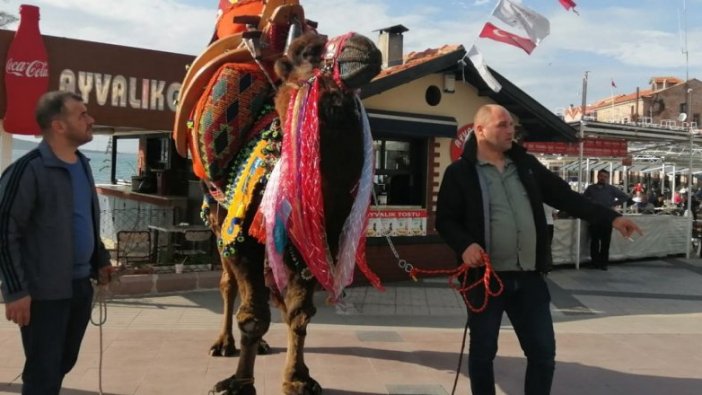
[{"x": 141, "y": 248}]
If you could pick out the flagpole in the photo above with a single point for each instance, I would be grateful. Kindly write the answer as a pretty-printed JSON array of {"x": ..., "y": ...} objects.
[
  {"x": 476, "y": 37},
  {"x": 580, "y": 166},
  {"x": 690, "y": 119},
  {"x": 495, "y": 8},
  {"x": 611, "y": 95}
]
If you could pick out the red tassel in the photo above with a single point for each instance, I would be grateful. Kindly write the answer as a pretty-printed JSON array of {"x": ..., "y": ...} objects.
[{"x": 257, "y": 229}]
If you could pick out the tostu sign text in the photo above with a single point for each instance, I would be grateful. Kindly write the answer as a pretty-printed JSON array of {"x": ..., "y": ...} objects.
[{"x": 397, "y": 222}]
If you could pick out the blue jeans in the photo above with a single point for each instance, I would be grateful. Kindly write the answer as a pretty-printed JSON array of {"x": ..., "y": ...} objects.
[
  {"x": 52, "y": 339},
  {"x": 526, "y": 300}
]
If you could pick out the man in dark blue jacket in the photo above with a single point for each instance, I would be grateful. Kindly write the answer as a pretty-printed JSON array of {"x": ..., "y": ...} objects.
[
  {"x": 605, "y": 195},
  {"x": 491, "y": 201},
  {"x": 50, "y": 243}
]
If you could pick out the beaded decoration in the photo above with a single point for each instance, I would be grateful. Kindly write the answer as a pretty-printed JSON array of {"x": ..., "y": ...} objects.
[{"x": 249, "y": 173}]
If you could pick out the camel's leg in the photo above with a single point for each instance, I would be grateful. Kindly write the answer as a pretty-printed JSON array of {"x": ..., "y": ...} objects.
[
  {"x": 299, "y": 310},
  {"x": 253, "y": 316},
  {"x": 225, "y": 345}
]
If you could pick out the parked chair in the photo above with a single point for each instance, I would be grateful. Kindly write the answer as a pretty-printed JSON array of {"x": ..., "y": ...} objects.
[{"x": 133, "y": 247}]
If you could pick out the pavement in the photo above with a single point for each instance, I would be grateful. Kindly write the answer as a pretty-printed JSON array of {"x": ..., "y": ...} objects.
[{"x": 635, "y": 329}]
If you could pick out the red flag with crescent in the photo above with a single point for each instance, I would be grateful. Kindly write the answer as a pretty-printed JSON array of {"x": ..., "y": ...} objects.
[{"x": 493, "y": 32}]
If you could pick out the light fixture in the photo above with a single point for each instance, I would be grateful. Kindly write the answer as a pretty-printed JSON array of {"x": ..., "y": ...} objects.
[{"x": 449, "y": 83}]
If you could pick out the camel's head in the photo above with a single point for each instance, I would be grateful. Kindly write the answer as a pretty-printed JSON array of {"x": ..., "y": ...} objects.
[
  {"x": 352, "y": 59},
  {"x": 343, "y": 64}
]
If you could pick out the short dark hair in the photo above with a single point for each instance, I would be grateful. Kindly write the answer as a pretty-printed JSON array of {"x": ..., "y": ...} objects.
[
  {"x": 50, "y": 105},
  {"x": 603, "y": 171}
]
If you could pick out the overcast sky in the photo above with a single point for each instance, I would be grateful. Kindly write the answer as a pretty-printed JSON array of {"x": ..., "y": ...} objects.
[{"x": 625, "y": 41}]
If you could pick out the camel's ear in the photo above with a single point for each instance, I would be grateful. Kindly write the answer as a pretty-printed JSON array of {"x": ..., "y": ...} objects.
[
  {"x": 312, "y": 52},
  {"x": 307, "y": 49},
  {"x": 283, "y": 68}
]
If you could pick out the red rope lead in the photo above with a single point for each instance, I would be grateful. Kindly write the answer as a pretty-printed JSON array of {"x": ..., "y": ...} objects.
[{"x": 462, "y": 287}]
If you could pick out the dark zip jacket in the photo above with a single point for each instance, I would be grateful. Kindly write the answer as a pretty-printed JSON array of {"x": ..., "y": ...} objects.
[
  {"x": 463, "y": 209},
  {"x": 36, "y": 227}
]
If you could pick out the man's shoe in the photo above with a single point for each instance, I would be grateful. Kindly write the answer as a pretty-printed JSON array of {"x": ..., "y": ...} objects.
[{"x": 603, "y": 267}]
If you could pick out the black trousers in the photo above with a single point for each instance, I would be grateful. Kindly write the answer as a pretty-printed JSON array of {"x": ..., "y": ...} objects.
[
  {"x": 526, "y": 300},
  {"x": 600, "y": 236},
  {"x": 52, "y": 339}
]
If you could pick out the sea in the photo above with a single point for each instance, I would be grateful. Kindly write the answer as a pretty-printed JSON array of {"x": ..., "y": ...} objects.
[{"x": 99, "y": 162}]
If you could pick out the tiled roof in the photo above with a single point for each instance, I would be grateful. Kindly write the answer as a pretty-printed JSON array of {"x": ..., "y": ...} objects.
[
  {"x": 414, "y": 59},
  {"x": 669, "y": 80},
  {"x": 621, "y": 98},
  {"x": 538, "y": 123}
]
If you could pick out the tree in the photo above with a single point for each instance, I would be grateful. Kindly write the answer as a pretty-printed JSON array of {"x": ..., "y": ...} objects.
[{"x": 6, "y": 19}]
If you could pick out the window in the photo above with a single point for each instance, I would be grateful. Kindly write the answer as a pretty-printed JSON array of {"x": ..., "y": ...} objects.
[
  {"x": 125, "y": 164},
  {"x": 683, "y": 108},
  {"x": 400, "y": 174}
]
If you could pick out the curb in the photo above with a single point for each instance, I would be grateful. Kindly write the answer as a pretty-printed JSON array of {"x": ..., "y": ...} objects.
[{"x": 154, "y": 284}]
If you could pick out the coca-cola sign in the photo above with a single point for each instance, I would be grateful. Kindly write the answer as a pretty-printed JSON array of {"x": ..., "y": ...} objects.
[{"x": 29, "y": 69}]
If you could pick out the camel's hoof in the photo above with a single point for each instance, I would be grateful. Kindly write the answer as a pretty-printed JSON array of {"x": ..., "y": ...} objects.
[
  {"x": 308, "y": 387},
  {"x": 263, "y": 347},
  {"x": 312, "y": 387},
  {"x": 220, "y": 350},
  {"x": 235, "y": 386}
]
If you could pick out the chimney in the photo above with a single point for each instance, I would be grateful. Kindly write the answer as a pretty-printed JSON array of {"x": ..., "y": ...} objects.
[{"x": 390, "y": 44}]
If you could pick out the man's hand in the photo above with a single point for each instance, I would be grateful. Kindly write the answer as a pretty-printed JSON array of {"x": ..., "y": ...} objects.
[
  {"x": 626, "y": 226},
  {"x": 473, "y": 255},
  {"x": 18, "y": 311},
  {"x": 105, "y": 275}
]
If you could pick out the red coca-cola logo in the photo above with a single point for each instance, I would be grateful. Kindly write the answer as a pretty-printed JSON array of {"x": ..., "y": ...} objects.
[
  {"x": 29, "y": 69},
  {"x": 458, "y": 142}
]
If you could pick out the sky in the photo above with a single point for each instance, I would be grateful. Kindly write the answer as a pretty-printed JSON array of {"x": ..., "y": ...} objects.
[{"x": 624, "y": 41}]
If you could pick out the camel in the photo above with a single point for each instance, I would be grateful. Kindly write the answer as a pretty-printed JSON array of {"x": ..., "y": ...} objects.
[{"x": 287, "y": 194}]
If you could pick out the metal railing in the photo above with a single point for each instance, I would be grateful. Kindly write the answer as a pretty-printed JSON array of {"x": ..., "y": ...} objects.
[{"x": 133, "y": 219}]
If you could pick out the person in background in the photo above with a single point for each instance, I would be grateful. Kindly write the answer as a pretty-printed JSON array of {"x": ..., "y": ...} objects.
[
  {"x": 645, "y": 206},
  {"x": 653, "y": 197},
  {"x": 605, "y": 195},
  {"x": 490, "y": 203},
  {"x": 50, "y": 248}
]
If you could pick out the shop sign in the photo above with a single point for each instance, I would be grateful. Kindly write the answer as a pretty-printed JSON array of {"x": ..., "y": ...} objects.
[
  {"x": 592, "y": 147},
  {"x": 132, "y": 89},
  {"x": 120, "y": 91},
  {"x": 397, "y": 222},
  {"x": 458, "y": 142}
]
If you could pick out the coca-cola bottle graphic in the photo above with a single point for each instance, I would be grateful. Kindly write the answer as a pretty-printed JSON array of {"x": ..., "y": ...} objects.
[{"x": 26, "y": 74}]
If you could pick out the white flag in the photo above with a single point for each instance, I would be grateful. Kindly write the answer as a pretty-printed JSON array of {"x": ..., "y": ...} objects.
[
  {"x": 515, "y": 15},
  {"x": 477, "y": 59}
]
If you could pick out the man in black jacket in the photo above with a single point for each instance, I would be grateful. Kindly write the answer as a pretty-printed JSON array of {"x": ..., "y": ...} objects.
[{"x": 491, "y": 201}]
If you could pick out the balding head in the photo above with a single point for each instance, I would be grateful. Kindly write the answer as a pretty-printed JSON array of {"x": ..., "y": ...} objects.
[
  {"x": 494, "y": 129},
  {"x": 485, "y": 113}
]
